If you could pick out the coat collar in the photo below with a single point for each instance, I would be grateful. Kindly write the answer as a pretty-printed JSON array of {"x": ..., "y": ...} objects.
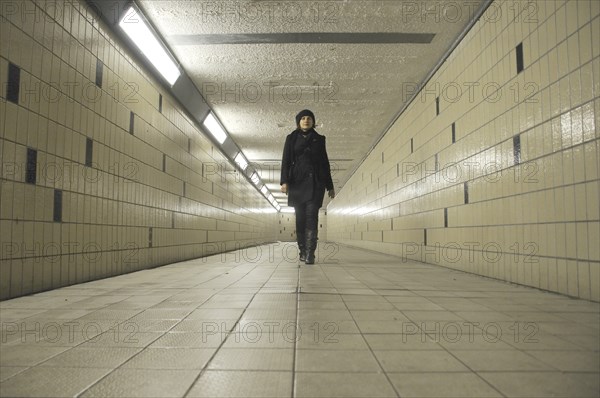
[{"x": 298, "y": 132}]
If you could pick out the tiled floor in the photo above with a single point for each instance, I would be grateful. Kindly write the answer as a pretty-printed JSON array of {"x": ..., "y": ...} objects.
[{"x": 254, "y": 324}]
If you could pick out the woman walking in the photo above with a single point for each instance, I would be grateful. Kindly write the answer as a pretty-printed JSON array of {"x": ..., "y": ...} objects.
[{"x": 305, "y": 174}]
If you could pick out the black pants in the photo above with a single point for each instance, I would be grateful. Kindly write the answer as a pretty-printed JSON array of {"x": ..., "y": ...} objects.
[{"x": 307, "y": 216}]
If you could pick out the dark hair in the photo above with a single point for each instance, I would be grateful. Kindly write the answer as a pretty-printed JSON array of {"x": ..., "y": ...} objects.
[{"x": 303, "y": 113}]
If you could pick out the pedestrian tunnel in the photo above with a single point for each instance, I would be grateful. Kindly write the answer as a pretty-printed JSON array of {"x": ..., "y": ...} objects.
[{"x": 138, "y": 134}]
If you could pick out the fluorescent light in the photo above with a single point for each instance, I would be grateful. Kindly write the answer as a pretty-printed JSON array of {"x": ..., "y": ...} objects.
[
  {"x": 134, "y": 26},
  {"x": 255, "y": 178},
  {"x": 215, "y": 128},
  {"x": 271, "y": 198},
  {"x": 241, "y": 161},
  {"x": 264, "y": 190}
]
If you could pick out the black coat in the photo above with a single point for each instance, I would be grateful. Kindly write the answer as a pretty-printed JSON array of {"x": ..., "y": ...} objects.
[{"x": 303, "y": 186}]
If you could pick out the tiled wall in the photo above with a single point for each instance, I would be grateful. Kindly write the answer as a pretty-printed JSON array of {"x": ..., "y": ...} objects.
[
  {"x": 494, "y": 167},
  {"x": 102, "y": 173},
  {"x": 287, "y": 226}
]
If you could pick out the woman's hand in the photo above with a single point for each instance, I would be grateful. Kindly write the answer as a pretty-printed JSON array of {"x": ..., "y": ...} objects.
[{"x": 284, "y": 188}]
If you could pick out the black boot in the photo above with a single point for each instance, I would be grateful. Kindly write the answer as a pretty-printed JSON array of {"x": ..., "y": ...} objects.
[
  {"x": 301, "y": 238},
  {"x": 311, "y": 246}
]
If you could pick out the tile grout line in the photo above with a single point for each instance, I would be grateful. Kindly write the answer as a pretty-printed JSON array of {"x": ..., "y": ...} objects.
[
  {"x": 446, "y": 350},
  {"x": 437, "y": 343},
  {"x": 298, "y": 287},
  {"x": 163, "y": 334},
  {"x": 365, "y": 340},
  {"x": 499, "y": 302},
  {"x": 28, "y": 367},
  {"x": 205, "y": 367}
]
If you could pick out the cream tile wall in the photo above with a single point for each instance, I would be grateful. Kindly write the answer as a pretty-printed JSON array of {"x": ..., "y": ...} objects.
[
  {"x": 515, "y": 196},
  {"x": 287, "y": 226},
  {"x": 133, "y": 195}
]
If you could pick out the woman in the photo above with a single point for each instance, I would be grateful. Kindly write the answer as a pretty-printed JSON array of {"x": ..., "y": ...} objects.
[{"x": 305, "y": 174}]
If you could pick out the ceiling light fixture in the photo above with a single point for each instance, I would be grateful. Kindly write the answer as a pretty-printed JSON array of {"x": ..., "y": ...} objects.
[
  {"x": 241, "y": 161},
  {"x": 135, "y": 27},
  {"x": 214, "y": 127}
]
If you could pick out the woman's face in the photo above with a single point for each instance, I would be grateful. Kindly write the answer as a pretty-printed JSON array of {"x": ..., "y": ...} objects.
[{"x": 306, "y": 123}]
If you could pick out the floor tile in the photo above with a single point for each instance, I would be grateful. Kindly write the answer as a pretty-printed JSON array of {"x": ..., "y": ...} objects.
[
  {"x": 51, "y": 382},
  {"x": 430, "y": 318},
  {"x": 377, "y": 315},
  {"x": 242, "y": 384},
  {"x": 470, "y": 342},
  {"x": 321, "y": 305},
  {"x": 546, "y": 384},
  {"x": 565, "y": 328},
  {"x": 7, "y": 372},
  {"x": 453, "y": 384},
  {"x": 324, "y": 315},
  {"x": 16, "y": 314},
  {"x": 212, "y": 314},
  {"x": 367, "y": 326},
  {"x": 417, "y": 341},
  {"x": 326, "y": 327},
  {"x": 91, "y": 357},
  {"x": 569, "y": 361},
  {"x": 538, "y": 341},
  {"x": 262, "y": 314},
  {"x": 27, "y": 354},
  {"x": 401, "y": 325},
  {"x": 358, "y": 361},
  {"x": 270, "y": 359},
  {"x": 123, "y": 338},
  {"x": 149, "y": 325},
  {"x": 419, "y": 361},
  {"x": 190, "y": 339},
  {"x": 588, "y": 342},
  {"x": 171, "y": 358},
  {"x": 369, "y": 305},
  {"x": 342, "y": 385},
  {"x": 511, "y": 360},
  {"x": 422, "y": 305},
  {"x": 265, "y": 338},
  {"x": 320, "y": 297},
  {"x": 54, "y": 332},
  {"x": 143, "y": 383},
  {"x": 330, "y": 340},
  {"x": 204, "y": 325}
]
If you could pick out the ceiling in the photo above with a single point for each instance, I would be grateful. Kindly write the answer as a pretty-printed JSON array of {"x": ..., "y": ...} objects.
[{"x": 258, "y": 63}]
